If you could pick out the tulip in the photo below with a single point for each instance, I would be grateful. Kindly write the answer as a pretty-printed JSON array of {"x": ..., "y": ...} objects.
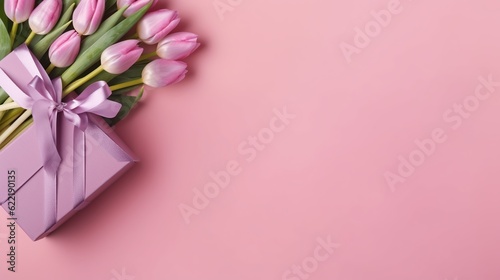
[
  {"x": 163, "y": 72},
  {"x": 88, "y": 15},
  {"x": 63, "y": 51},
  {"x": 158, "y": 73},
  {"x": 156, "y": 25},
  {"x": 18, "y": 10},
  {"x": 45, "y": 16},
  {"x": 119, "y": 57},
  {"x": 115, "y": 59},
  {"x": 133, "y": 5},
  {"x": 177, "y": 45}
]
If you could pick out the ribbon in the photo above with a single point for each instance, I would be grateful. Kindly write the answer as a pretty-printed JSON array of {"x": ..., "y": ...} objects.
[{"x": 44, "y": 97}]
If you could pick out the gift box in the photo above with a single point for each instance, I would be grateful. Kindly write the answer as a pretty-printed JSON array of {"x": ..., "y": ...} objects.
[{"x": 90, "y": 161}]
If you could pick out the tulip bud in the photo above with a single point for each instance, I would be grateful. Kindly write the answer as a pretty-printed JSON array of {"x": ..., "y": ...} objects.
[
  {"x": 177, "y": 45},
  {"x": 119, "y": 57},
  {"x": 18, "y": 10},
  {"x": 133, "y": 5},
  {"x": 156, "y": 25},
  {"x": 88, "y": 15},
  {"x": 63, "y": 51},
  {"x": 45, "y": 16},
  {"x": 163, "y": 72}
]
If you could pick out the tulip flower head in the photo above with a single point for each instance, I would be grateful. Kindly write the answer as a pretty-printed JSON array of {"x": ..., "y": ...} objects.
[
  {"x": 156, "y": 25},
  {"x": 133, "y": 5},
  {"x": 119, "y": 57},
  {"x": 18, "y": 10},
  {"x": 163, "y": 72},
  {"x": 45, "y": 16},
  {"x": 88, "y": 16},
  {"x": 64, "y": 50},
  {"x": 177, "y": 45}
]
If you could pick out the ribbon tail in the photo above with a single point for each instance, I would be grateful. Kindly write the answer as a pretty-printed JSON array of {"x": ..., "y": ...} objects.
[
  {"x": 50, "y": 195},
  {"x": 79, "y": 164},
  {"x": 45, "y": 129}
]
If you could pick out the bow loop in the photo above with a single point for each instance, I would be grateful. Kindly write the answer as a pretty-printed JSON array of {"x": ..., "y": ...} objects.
[
  {"x": 38, "y": 89},
  {"x": 94, "y": 99},
  {"x": 44, "y": 129}
]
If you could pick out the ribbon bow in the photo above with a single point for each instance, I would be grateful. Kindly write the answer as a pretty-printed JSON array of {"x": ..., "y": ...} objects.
[{"x": 44, "y": 97}]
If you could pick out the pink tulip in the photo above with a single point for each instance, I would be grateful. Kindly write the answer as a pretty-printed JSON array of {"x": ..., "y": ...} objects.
[
  {"x": 133, "y": 5},
  {"x": 18, "y": 10},
  {"x": 63, "y": 51},
  {"x": 88, "y": 15},
  {"x": 177, "y": 45},
  {"x": 156, "y": 25},
  {"x": 119, "y": 57},
  {"x": 163, "y": 72},
  {"x": 45, "y": 16}
]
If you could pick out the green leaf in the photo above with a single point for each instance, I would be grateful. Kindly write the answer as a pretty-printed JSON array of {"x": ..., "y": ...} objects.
[
  {"x": 6, "y": 21},
  {"x": 22, "y": 33},
  {"x": 134, "y": 73},
  {"x": 92, "y": 54},
  {"x": 110, "y": 4},
  {"x": 3, "y": 96},
  {"x": 43, "y": 46},
  {"x": 128, "y": 103},
  {"x": 103, "y": 76},
  {"x": 67, "y": 4},
  {"x": 105, "y": 27},
  {"x": 66, "y": 16},
  {"x": 4, "y": 40}
]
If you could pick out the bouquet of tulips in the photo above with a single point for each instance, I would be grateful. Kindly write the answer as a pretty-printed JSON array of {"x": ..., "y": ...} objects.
[{"x": 93, "y": 40}]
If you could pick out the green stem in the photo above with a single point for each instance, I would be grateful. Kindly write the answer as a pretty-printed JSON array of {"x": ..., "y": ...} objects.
[
  {"x": 2, "y": 100},
  {"x": 16, "y": 132},
  {"x": 146, "y": 56},
  {"x": 30, "y": 38},
  {"x": 9, "y": 106},
  {"x": 13, "y": 33},
  {"x": 126, "y": 84},
  {"x": 9, "y": 117},
  {"x": 76, "y": 84},
  {"x": 133, "y": 36},
  {"x": 15, "y": 125},
  {"x": 3, "y": 95},
  {"x": 50, "y": 68},
  {"x": 5, "y": 102}
]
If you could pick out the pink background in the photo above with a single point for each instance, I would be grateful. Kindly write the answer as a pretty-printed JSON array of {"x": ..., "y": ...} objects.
[{"x": 323, "y": 174}]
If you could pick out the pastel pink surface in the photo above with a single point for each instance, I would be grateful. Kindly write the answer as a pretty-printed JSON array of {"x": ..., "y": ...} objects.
[{"x": 324, "y": 173}]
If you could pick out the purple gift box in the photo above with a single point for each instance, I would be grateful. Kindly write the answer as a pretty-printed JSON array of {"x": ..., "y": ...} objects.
[{"x": 102, "y": 159}]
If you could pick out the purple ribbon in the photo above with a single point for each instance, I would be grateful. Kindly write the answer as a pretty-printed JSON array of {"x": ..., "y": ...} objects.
[{"x": 44, "y": 98}]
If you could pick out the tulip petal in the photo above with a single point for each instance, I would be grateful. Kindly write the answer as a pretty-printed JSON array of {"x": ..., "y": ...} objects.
[
  {"x": 88, "y": 16},
  {"x": 177, "y": 45},
  {"x": 163, "y": 72},
  {"x": 18, "y": 10},
  {"x": 119, "y": 57},
  {"x": 156, "y": 25},
  {"x": 45, "y": 16},
  {"x": 64, "y": 50}
]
